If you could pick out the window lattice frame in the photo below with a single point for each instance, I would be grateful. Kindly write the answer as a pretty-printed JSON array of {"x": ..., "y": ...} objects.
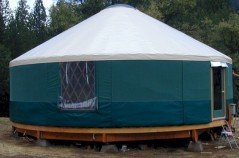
[{"x": 78, "y": 86}]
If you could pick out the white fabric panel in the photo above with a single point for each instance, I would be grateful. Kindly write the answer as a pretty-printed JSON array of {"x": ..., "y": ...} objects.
[
  {"x": 215, "y": 64},
  {"x": 224, "y": 64},
  {"x": 218, "y": 64},
  {"x": 120, "y": 32}
]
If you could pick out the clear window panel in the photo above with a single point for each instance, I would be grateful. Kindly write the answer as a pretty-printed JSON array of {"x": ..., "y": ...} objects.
[{"x": 77, "y": 86}]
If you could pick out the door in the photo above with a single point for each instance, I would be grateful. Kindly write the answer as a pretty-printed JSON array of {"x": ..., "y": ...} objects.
[{"x": 218, "y": 92}]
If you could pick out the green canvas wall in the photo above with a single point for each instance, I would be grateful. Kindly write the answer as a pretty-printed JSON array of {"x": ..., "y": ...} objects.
[
  {"x": 130, "y": 93},
  {"x": 196, "y": 92},
  {"x": 147, "y": 93}
]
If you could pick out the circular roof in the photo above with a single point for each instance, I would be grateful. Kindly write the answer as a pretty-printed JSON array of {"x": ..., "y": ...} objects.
[{"x": 120, "y": 32}]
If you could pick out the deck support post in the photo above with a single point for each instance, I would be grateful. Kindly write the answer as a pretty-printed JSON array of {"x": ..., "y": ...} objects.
[
  {"x": 230, "y": 113},
  {"x": 195, "y": 145},
  {"x": 104, "y": 138},
  {"x": 38, "y": 135},
  {"x": 195, "y": 135}
]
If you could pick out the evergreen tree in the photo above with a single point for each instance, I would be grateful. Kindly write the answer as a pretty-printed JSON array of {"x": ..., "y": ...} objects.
[
  {"x": 6, "y": 14},
  {"x": 2, "y": 25},
  {"x": 91, "y": 7},
  {"x": 4, "y": 80},
  {"x": 152, "y": 9},
  {"x": 23, "y": 40},
  {"x": 226, "y": 37},
  {"x": 63, "y": 15},
  {"x": 5, "y": 56},
  {"x": 38, "y": 24}
]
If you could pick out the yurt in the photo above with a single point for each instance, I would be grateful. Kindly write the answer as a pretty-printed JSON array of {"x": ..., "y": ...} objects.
[{"x": 119, "y": 71}]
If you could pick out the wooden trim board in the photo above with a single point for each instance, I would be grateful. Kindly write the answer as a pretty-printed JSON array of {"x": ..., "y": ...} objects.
[{"x": 212, "y": 124}]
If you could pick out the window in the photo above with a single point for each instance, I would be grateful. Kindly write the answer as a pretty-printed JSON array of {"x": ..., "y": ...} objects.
[{"x": 77, "y": 86}]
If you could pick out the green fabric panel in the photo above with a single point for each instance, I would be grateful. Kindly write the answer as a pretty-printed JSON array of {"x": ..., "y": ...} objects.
[
  {"x": 35, "y": 83},
  {"x": 229, "y": 90},
  {"x": 104, "y": 90},
  {"x": 196, "y": 92},
  {"x": 197, "y": 112},
  {"x": 53, "y": 82},
  {"x": 103, "y": 81},
  {"x": 47, "y": 114},
  {"x": 147, "y": 93},
  {"x": 138, "y": 114},
  {"x": 146, "y": 81}
]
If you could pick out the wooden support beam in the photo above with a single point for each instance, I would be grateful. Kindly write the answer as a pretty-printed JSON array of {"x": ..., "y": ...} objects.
[
  {"x": 147, "y": 136},
  {"x": 72, "y": 136}
]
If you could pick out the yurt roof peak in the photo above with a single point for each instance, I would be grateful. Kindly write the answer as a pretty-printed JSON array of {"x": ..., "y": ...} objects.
[{"x": 120, "y": 32}]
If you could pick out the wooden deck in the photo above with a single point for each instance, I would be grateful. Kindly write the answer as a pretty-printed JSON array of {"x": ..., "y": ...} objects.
[{"x": 115, "y": 134}]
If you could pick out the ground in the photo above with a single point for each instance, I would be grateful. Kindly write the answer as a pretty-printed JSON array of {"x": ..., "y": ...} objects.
[{"x": 25, "y": 148}]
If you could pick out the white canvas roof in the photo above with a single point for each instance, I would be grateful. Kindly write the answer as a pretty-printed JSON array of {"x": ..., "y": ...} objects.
[{"x": 120, "y": 32}]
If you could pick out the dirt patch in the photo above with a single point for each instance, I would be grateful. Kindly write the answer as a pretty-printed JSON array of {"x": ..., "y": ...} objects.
[{"x": 24, "y": 148}]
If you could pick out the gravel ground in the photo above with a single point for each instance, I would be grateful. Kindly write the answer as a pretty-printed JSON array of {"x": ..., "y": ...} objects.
[{"x": 23, "y": 148}]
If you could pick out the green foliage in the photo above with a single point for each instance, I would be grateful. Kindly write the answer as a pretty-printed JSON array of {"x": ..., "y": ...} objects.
[
  {"x": 134, "y": 3},
  {"x": 21, "y": 28},
  {"x": 152, "y": 9},
  {"x": 22, "y": 14},
  {"x": 91, "y": 7},
  {"x": 229, "y": 32},
  {"x": 63, "y": 15},
  {"x": 2, "y": 24},
  {"x": 5, "y": 56},
  {"x": 4, "y": 80},
  {"x": 177, "y": 11},
  {"x": 4, "y": 14},
  {"x": 38, "y": 22},
  {"x": 6, "y": 11}
]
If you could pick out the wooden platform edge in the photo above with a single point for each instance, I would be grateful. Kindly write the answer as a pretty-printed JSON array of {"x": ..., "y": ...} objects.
[
  {"x": 107, "y": 135},
  {"x": 126, "y": 130}
]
